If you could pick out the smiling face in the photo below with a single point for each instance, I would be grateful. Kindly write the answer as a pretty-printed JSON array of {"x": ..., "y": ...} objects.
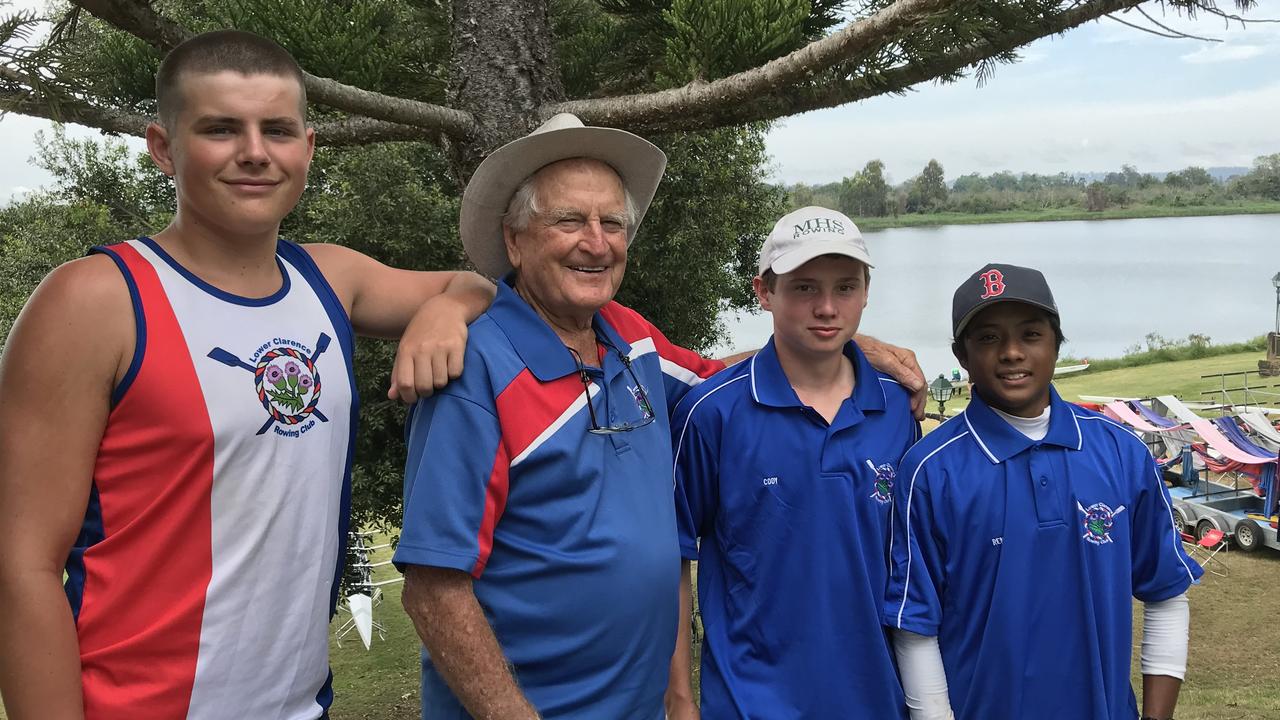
[
  {"x": 238, "y": 150},
  {"x": 572, "y": 255},
  {"x": 817, "y": 307},
  {"x": 1010, "y": 349}
]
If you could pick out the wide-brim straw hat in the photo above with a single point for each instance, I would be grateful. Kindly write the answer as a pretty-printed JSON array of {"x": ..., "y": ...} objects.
[{"x": 638, "y": 162}]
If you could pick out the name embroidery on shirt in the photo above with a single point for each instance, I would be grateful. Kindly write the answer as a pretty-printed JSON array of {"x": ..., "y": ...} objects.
[
  {"x": 1098, "y": 519},
  {"x": 770, "y": 481}
]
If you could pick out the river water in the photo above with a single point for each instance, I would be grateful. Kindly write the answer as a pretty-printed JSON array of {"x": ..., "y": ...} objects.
[{"x": 1115, "y": 281}]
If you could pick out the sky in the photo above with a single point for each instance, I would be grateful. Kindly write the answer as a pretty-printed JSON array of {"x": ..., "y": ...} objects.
[{"x": 1098, "y": 97}]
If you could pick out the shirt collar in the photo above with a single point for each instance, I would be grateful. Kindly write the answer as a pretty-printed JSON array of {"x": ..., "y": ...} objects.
[
  {"x": 770, "y": 386},
  {"x": 538, "y": 346},
  {"x": 1000, "y": 441}
]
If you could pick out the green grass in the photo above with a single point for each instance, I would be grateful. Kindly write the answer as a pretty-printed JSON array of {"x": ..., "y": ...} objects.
[
  {"x": 1252, "y": 207},
  {"x": 1180, "y": 378},
  {"x": 1235, "y": 637}
]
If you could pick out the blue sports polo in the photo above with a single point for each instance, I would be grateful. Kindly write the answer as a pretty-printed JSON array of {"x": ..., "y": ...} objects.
[
  {"x": 1023, "y": 557},
  {"x": 793, "y": 515},
  {"x": 570, "y": 536}
]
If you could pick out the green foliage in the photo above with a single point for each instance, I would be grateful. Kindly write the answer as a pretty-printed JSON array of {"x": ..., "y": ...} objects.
[
  {"x": 866, "y": 194},
  {"x": 38, "y": 234},
  {"x": 137, "y": 195},
  {"x": 399, "y": 48},
  {"x": 696, "y": 252},
  {"x": 1156, "y": 348},
  {"x": 1264, "y": 180},
  {"x": 928, "y": 190},
  {"x": 1030, "y": 196},
  {"x": 714, "y": 38}
]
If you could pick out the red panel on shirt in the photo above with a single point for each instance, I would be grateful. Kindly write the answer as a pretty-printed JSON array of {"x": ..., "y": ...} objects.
[{"x": 145, "y": 581}]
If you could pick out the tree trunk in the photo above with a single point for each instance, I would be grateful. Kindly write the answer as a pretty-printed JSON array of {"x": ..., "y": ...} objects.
[{"x": 504, "y": 70}]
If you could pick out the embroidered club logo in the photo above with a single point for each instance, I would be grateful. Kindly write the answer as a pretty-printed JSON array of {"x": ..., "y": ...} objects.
[
  {"x": 1098, "y": 519},
  {"x": 286, "y": 381},
  {"x": 642, "y": 402},
  {"x": 992, "y": 284},
  {"x": 885, "y": 475}
]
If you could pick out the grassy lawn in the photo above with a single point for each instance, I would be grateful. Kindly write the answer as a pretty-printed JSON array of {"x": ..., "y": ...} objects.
[
  {"x": 1235, "y": 632},
  {"x": 1252, "y": 207},
  {"x": 1181, "y": 378}
]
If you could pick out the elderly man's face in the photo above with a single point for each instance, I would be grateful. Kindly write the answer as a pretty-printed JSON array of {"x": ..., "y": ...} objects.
[{"x": 572, "y": 256}]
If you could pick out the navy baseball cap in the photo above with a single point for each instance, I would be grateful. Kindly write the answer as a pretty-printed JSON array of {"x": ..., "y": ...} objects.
[{"x": 997, "y": 282}]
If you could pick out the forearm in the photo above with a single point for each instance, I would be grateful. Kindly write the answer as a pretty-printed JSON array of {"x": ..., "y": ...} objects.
[
  {"x": 924, "y": 679},
  {"x": 1165, "y": 634},
  {"x": 680, "y": 683},
  {"x": 1160, "y": 696},
  {"x": 472, "y": 292},
  {"x": 39, "y": 652},
  {"x": 462, "y": 645}
]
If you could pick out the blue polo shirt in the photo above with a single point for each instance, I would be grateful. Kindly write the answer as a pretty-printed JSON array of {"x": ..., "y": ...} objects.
[
  {"x": 1023, "y": 557},
  {"x": 793, "y": 515},
  {"x": 570, "y": 536}
]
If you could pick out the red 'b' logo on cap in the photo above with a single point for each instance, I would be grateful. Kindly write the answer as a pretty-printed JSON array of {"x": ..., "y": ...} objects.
[{"x": 992, "y": 283}]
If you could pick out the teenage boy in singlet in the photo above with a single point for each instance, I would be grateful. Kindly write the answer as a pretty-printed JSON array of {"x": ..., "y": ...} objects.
[{"x": 176, "y": 423}]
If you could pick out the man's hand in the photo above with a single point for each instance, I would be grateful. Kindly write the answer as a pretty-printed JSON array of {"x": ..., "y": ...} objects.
[
  {"x": 431, "y": 349},
  {"x": 901, "y": 364}
]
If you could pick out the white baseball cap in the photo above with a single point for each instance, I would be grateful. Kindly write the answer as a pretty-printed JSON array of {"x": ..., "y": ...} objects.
[{"x": 807, "y": 233}]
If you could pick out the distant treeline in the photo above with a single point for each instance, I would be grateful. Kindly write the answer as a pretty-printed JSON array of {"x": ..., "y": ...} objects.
[
  {"x": 868, "y": 192},
  {"x": 1158, "y": 349}
]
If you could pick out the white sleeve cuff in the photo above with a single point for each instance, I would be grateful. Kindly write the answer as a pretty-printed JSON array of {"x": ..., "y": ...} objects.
[
  {"x": 924, "y": 680},
  {"x": 1165, "y": 628}
]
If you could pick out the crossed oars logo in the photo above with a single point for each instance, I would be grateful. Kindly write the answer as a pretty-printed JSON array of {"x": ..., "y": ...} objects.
[{"x": 283, "y": 377}]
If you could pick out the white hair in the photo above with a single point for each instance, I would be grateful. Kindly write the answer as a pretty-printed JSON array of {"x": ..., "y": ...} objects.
[{"x": 523, "y": 206}]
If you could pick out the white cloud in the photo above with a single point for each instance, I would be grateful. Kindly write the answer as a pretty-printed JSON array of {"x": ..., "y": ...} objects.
[
  {"x": 1220, "y": 53},
  {"x": 1070, "y": 135}
]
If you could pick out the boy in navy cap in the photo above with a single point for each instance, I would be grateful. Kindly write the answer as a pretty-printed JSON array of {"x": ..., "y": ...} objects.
[
  {"x": 1022, "y": 530},
  {"x": 784, "y": 467}
]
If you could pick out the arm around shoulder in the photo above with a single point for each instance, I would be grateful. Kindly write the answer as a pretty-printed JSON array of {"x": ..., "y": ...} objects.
[
  {"x": 61, "y": 362},
  {"x": 427, "y": 310}
]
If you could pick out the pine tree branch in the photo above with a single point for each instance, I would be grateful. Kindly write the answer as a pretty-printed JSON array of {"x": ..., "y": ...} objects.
[
  {"x": 137, "y": 18},
  {"x": 73, "y": 111},
  {"x": 337, "y": 133},
  {"x": 666, "y": 107},
  {"x": 364, "y": 131},
  {"x": 790, "y": 99}
]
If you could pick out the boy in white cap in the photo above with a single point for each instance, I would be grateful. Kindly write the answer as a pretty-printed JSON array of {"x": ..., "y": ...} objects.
[{"x": 784, "y": 468}]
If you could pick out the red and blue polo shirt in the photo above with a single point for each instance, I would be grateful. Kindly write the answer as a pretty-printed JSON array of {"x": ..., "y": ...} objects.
[{"x": 570, "y": 536}]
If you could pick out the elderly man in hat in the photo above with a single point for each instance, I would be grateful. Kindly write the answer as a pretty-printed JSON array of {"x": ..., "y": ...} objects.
[{"x": 539, "y": 543}]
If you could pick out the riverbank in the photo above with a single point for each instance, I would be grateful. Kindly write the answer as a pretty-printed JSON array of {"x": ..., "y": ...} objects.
[{"x": 1259, "y": 207}]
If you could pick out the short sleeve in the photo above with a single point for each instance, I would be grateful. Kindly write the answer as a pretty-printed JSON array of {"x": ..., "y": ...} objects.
[
  {"x": 1161, "y": 568},
  {"x": 455, "y": 484},
  {"x": 694, "y": 446},
  {"x": 682, "y": 369},
  {"x": 917, "y": 571}
]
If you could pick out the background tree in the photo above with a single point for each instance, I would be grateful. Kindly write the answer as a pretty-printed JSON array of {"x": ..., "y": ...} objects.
[
  {"x": 1264, "y": 179},
  {"x": 866, "y": 194},
  {"x": 930, "y": 186}
]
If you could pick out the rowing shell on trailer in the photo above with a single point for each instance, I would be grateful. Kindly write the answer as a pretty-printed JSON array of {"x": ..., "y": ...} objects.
[{"x": 1068, "y": 369}]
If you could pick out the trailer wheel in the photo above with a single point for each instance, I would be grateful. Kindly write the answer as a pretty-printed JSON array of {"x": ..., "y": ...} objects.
[
  {"x": 1179, "y": 521},
  {"x": 1203, "y": 527},
  {"x": 1248, "y": 535}
]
